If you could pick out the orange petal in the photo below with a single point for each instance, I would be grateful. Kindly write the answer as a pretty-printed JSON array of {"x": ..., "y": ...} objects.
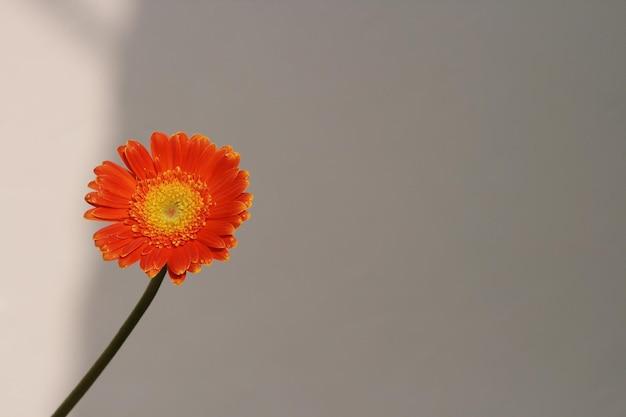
[
  {"x": 153, "y": 258},
  {"x": 160, "y": 148},
  {"x": 107, "y": 213},
  {"x": 220, "y": 254},
  {"x": 244, "y": 215},
  {"x": 117, "y": 230},
  {"x": 210, "y": 239},
  {"x": 214, "y": 164},
  {"x": 152, "y": 272},
  {"x": 200, "y": 138},
  {"x": 227, "y": 209},
  {"x": 226, "y": 177},
  {"x": 193, "y": 252},
  {"x": 131, "y": 258},
  {"x": 179, "y": 260},
  {"x": 230, "y": 241},
  {"x": 177, "y": 279},
  {"x": 111, "y": 256},
  {"x": 116, "y": 173},
  {"x": 113, "y": 250},
  {"x": 195, "y": 268},
  {"x": 246, "y": 198},
  {"x": 114, "y": 186},
  {"x": 89, "y": 216},
  {"x": 178, "y": 148},
  {"x": 161, "y": 257},
  {"x": 137, "y": 159},
  {"x": 229, "y": 159},
  {"x": 198, "y": 151},
  {"x": 102, "y": 198},
  {"x": 205, "y": 255},
  {"x": 235, "y": 220},
  {"x": 230, "y": 191},
  {"x": 146, "y": 262},
  {"x": 112, "y": 245},
  {"x": 243, "y": 175},
  {"x": 220, "y": 227},
  {"x": 191, "y": 158},
  {"x": 133, "y": 245}
]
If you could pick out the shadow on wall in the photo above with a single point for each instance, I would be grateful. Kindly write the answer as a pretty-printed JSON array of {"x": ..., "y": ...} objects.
[
  {"x": 288, "y": 96},
  {"x": 271, "y": 83},
  {"x": 402, "y": 257}
]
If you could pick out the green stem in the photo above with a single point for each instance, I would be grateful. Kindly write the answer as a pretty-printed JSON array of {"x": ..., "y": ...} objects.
[{"x": 114, "y": 346}]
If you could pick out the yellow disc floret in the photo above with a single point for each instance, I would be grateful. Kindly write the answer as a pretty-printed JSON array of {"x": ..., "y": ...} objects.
[{"x": 170, "y": 208}]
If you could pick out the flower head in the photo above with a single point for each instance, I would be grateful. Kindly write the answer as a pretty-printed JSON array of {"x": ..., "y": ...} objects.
[{"x": 178, "y": 207}]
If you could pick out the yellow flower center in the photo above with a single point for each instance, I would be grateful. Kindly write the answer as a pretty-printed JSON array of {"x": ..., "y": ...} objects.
[{"x": 171, "y": 208}]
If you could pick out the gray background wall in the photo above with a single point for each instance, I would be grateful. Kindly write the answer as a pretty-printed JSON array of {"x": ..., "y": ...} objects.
[{"x": 438, "y": 227}]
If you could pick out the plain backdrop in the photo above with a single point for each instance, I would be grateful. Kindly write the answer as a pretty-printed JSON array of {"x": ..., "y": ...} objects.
[{"x": 439, "y": 222}]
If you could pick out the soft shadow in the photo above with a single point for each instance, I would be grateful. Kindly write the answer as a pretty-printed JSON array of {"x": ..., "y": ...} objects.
[{"x": 421, "y": 243}]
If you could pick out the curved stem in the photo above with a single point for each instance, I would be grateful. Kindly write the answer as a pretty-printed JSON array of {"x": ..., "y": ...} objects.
[{"x": 115, "y": 344}]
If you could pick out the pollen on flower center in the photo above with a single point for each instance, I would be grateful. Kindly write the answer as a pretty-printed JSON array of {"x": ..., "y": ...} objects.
[{"x": 170, "y": 208}]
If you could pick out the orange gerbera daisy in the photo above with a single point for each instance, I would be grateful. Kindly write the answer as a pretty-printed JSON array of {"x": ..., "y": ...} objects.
[{"x": 178, "y": 207}]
